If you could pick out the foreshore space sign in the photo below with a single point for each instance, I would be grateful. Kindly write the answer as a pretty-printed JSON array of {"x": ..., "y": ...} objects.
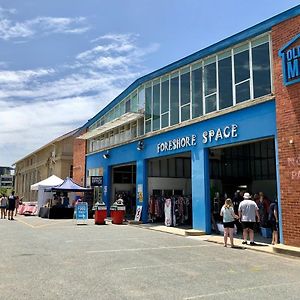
[{"x": 290, "y": 57}]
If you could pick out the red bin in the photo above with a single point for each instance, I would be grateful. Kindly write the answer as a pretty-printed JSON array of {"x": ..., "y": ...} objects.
[
  {"x": 100, "y": 214},
  {"x": 117, "y": 214}
]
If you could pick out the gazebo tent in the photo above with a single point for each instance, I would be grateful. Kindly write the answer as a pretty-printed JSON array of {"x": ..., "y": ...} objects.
[
  {"x": 69, "y": 185},
  {"x": 45, "y": 184}
]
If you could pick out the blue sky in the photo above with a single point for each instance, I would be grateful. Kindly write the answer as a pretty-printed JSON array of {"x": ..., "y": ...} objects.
[{"x": 63, "y": 60}]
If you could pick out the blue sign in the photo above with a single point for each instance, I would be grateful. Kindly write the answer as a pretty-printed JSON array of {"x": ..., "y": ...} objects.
[
  {"x": 81, "y": 209},
  {"x": 290, "y": 56}
]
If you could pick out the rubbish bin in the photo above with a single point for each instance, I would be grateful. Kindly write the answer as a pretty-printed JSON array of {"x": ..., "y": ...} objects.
[
  {"x": 100, "y": 213},
  {"x": 117, "y": 212}
]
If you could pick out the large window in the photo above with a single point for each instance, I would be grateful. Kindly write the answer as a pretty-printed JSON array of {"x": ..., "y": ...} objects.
[
  {"x": 261, "y": 68},
  {"x": 210, "y": 85},
  {"x": 174, "y": 99},
  {"x": 165, "y": 102},
  {"x": 148, "y": 106},
  {"x": 242, "y": 73},
  {"x": 156, "y": 105},
  {"x": 225, "y": 80},
  {"x": 185, "y": 96},
  {"x": 197, "y": 102}
]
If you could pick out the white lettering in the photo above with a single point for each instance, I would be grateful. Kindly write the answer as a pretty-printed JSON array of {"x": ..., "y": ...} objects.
[
  {"x": 193, "y": 140},
  {"x": 211, "y": 134},
  {"x": 204, "y": 135},
  {"x": 234, "y": 130},
  {"x": 219, "y": 134},
  {"x": 175, "y": 144},
  {"x": 226, "y": 132}
]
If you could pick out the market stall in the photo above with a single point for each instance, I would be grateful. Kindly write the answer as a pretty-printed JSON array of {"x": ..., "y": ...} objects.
[
  {"x": 42, "y": 186},
  {"x": 61, "y": 207}
]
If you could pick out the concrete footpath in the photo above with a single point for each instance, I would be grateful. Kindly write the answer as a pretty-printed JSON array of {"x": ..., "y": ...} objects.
[{"x": 218, "y": 239}]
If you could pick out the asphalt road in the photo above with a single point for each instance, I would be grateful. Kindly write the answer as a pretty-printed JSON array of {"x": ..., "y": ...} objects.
[{"x": 57, "y": 259}]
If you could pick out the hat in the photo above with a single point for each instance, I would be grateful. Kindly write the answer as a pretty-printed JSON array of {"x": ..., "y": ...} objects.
[{"x": 247, "y": 196}]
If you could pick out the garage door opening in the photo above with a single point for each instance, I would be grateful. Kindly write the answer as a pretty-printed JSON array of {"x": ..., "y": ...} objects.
[{"x": 170, "y": 190}]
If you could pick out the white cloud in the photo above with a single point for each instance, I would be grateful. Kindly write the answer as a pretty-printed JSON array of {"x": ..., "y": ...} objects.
[
  {"x": 9, "y": 29},
  {"x": 39, "y": 105}
]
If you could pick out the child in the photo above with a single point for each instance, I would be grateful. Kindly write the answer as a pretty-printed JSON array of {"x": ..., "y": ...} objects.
[
  {"x": 228, "y": 215},
  {"x": 3, "y": 204}
]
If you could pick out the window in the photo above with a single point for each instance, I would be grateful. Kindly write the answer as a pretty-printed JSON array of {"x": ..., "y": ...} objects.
[
  {"x": 261, "y": 70},
  {"x": 185, "y": 94},
  {"x": 174, "y": 99},
  {"x": 242, "y": 73},
  {"x": 225, "y": 80},
  {"x": 148, "y": 105},
  {"x": 127, "y": 105},
  {"x": 156, "y": 106},
  {"x": 197, "y": 102},
  {"x": 134, "y": 103},
  {"x": 210, "y": 85}
]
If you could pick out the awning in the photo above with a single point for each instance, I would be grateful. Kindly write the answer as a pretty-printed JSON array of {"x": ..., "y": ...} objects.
[{"x": 122, "y": 120}]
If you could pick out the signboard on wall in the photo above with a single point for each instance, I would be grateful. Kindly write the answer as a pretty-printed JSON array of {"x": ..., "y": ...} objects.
[
  {"x": 96, "y": 181},
  {"x": 290, "y": 57}
]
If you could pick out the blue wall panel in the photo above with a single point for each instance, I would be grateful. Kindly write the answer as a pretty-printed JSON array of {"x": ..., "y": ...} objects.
[{"x": 253, "y": 123}]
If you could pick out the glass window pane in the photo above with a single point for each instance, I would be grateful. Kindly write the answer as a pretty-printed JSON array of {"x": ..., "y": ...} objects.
[
  {"x": 141, "y": 99},
  {"x": 243, "y": 92},
  {"x": 179, "y": 167},
  {"x": 241, "y": 66},
  {"x": 225, "y": 83},
  {"x": 148, "y": 126},
  {"x": 148, "y": 94},
  {"x": 165, "y": 120},
  {"x": 185, "y": 113},
  {"x": 174, "y": 100},
  {"x": 122, "y": 108},
  {"x": 172, "y": 167},
  {"x": 261, "y": 70},
  {"x": 197, "y": 105},
  {"x": 141, "y": 126},
  {"x": 127, "y": 105},
  {"x": 164, "y": 168},
  {"x": 134, "y": 103},
  {"x": 156, "y": 107},
  {"x": 210, "y": 103},
  {"x": 185, "y": 88},
  {"x": 165, "y": 96},
  {"x": 210, "y": 83}
]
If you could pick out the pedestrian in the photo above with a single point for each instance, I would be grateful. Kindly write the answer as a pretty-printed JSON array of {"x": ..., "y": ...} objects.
[
  {"x": 3, "y": 204},
  {"x": 11, "y": 205},
  {"x": 248, "y": 211},
  {"x": 273, "y": 220},
  {"x": 229, "y": 217}
]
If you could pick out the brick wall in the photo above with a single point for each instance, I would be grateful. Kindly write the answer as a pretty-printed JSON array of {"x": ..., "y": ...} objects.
[
  {"x": 288, "y": 126},
  {"x": 79, "y": 149}
]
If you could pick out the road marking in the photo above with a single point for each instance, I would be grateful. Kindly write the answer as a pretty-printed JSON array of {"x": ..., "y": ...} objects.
[
  {"x": 163, "y": 265},
  {"x": 242, "y": 290},
  {"x": 41, "y": 226},
  {"x": 144, "y": 249}
]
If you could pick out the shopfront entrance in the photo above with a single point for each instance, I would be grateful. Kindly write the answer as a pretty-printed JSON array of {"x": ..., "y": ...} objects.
[
  {"x": 246, "y": 167},
  {"x": 124, "y": 186},
  {"x": 170, "y": 190}
]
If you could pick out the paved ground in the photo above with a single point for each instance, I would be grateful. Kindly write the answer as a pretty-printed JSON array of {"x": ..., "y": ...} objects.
[{"x": 55, "y": 259}]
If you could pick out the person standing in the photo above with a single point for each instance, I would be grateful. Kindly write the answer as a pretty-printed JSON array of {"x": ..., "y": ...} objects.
[
  {"x": 273, "y": 220},
  {"x": 11, "y": 205},
  {"x": 3, "y": 205},
  {"x": 229, "y": 216},
  {"x": 248, "y": 211}
]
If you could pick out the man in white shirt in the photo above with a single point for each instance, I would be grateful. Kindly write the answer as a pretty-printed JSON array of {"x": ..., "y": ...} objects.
[{"x": 248, "y": 212}]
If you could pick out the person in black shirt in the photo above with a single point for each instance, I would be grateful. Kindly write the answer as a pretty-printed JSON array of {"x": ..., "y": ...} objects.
[{"x": 11, "y": 205}]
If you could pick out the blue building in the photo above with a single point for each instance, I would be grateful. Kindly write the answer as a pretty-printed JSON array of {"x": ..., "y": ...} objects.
[{"x": 200, "y": 128}]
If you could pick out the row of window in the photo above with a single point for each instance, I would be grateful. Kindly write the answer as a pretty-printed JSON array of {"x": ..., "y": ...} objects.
[{"x": 217, "y": 82}]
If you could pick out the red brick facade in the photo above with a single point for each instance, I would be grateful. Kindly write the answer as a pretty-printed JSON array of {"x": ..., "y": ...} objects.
[
  {"x": 288, "y": 126},
  {"x": 79, "y": 160}
]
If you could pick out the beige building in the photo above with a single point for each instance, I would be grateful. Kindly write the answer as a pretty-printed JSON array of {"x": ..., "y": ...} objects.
[{"x": 55, "y": 158}]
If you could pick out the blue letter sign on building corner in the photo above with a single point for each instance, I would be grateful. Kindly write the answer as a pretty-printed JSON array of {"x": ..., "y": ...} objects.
[{"x": 290, "y": 56}]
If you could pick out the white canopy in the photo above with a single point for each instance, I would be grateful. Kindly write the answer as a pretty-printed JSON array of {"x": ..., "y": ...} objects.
[
  {"x": 42, "y": 185},
  {"x": 48, "y": 182}
]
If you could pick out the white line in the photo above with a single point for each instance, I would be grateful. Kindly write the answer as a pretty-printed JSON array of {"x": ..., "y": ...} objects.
[
  {"x": 163, "y": 265},
  {"x": 144, "y": 249},
  {"x": 242, "y": 290}
]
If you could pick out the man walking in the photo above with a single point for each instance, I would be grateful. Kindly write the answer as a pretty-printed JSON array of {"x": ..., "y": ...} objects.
[
  {"x": 11, "y": 205},
  {"x": 248, "y": 211}
]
